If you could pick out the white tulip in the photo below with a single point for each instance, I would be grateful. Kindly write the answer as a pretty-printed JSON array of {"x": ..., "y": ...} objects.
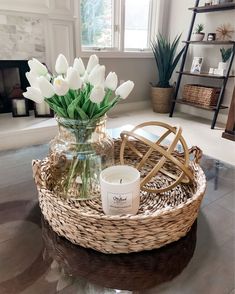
[
  {"x": 111, "y": 81},
  {"x": 45, "y": 87},
  {"x": 85, "y": 78},
  {"x": 61, "y": 64},
  {"x": 96, "y": 77},
  {"x": 73, "y": 79},
  {"x": 32, "y": 78},
  {"x": 61, "y": 86},
  {"x": 124, "y": 89},
  {"x": 34, "y": 94},
  {"x": 37, "y": 67},
  {"x": 97, "y": 94},
  {"x": 79, "y": 66},
  {"x": 92, "y": 62}
]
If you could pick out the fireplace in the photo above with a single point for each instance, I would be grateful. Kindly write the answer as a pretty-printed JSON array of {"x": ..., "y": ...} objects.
[{"x": 12, "y": 74}]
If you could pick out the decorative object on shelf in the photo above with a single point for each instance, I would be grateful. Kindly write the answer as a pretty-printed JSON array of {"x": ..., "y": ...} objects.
[
  {"x": 80, "y": 98},
  {"x": 211, "y": 70},
  {"x": 211, "y": 37},
  {"x": 225, "y": 32},
  {"x": 219, "y": 72},
  {"x": 215, "y": 2},
  {"x": 208, "y": 3},
  {"x": 166, "y": 60},
  {"x": 120, "y": 190},
  {"x": 161, "y": 219},
  {"x": 196, "y": 65},
  {"x": 182, "y": 171},
  {"x": 200, "y": 94},
  {"x": 43, "y": 110},
  {"x": 198, "y": 34},
  {"x": 20, "y": 106},
  {"x": 225, "y": 55}
]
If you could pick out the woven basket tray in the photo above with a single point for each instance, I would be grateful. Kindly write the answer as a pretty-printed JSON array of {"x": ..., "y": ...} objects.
[
  {"x": 162, "y": 218},
  {"x": 200, "y": 94}
]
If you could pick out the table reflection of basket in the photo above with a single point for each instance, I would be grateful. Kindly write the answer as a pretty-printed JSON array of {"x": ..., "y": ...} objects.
[
  {"x": 162, "y": 218},
  {"x": 136, "y": 271}
]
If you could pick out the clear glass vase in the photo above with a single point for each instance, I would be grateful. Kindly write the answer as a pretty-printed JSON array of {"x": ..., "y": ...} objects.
[{"x": 77, "y": 155}]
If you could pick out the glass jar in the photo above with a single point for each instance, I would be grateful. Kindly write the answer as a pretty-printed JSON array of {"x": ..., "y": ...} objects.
[{"x": 77, "y": 155}]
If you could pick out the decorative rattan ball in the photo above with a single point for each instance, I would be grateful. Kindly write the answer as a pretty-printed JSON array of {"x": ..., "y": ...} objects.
[{"x": 180, "y": 174}]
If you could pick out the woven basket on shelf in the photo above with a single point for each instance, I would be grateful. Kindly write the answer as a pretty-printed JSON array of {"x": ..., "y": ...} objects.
[
  {"x": 199, "y": 94},
  {"x": 161, "y": 219}
]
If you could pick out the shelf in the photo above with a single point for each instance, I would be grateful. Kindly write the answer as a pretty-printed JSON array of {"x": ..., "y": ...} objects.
[
  {"x": 213, "y": 8},
  {"x": 210, "y": 42},
  {"x": 211, "y": 108},
  {"x": 203, "y": 75}
]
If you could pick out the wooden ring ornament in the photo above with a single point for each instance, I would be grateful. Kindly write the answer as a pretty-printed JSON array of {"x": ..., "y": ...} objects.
[{"x": 185, "y": 176}]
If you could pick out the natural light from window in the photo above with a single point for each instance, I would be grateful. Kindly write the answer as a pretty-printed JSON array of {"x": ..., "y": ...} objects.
[
  {"x": 117, "y": 25},
  {"x": 97, "y": 23},
  {"x": 136, "y": 24}
]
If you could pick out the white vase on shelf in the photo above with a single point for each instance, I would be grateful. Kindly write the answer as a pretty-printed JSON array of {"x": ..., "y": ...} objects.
[{"x": 223, "y": 65}]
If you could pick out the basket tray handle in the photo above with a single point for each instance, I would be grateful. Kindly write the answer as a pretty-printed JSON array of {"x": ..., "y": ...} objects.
[{"x": 197, "y": 152}]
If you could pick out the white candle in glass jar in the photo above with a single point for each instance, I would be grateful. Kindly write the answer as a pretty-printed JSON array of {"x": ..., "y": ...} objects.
[{"x": 120, "y": 190}]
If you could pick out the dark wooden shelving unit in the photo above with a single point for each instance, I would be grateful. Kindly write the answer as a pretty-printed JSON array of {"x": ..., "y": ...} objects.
[
  {"x": 204, "y": 9},
  {"x": 211, "y": 108},
  {"x": 213, "y": 8},
  {"x": 217, "y": 42},
  {"x": 203, "y": 75}
]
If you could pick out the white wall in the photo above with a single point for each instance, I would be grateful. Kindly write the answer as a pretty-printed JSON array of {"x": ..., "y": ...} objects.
[{"x": 179, "y": 19}]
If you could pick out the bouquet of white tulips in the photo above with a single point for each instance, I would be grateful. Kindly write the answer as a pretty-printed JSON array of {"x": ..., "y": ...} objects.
[{"x": 76, "y": 92}]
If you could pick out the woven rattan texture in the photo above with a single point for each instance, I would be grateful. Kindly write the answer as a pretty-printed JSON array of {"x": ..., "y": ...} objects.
[
  {"x": 162, "y": 218},
  {"x": 199, "y": 94}
]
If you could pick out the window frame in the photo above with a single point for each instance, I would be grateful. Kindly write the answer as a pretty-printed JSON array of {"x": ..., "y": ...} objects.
[{"x": 118, "y": 50}]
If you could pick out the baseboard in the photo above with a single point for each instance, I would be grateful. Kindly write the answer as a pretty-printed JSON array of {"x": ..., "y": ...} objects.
[{"x": 129, "y": 106}]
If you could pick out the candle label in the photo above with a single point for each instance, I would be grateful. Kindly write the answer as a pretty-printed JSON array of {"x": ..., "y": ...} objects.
[{"x": 120, "y": 201}]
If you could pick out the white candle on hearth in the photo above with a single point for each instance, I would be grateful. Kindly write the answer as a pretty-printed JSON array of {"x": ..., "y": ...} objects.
[
  {"x": 19, "y": 106},
  {"x": 120, "y": 190},
  {"x": 42, "y": 108}
]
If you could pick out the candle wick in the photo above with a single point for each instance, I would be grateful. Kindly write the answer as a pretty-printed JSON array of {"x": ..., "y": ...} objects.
[{"x": 120, "y": 181}]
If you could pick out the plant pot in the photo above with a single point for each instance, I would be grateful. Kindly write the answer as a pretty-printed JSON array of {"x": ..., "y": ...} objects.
[
  {"x": 223, "y": 65},
  {"x": 161, "y": 99},
  {"x": 198, "y": 37}
]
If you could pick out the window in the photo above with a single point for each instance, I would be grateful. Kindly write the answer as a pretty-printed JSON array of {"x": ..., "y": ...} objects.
[{"x": 117, "y": 25}]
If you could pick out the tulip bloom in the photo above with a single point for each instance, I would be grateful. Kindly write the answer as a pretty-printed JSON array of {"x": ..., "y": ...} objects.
[
  {"x": 111, "y": 81},
  {"x": 96, "y": 77},
  {"x": 34, "y": 94},
  {"x": 61, "y": 86},
  {"x": 79, "y": 66},
  {"x": 124, "y": 89},
  {"x": 32, "y": 78},
  {"x": 37, "y": 67},
  {"x": 61, "y": 64},
  {"x": 45, "y": 87},
  {"x": 92, "y": 62},
  {"x": 97, "y": 94},
  {"x": 73, "y": 79}
]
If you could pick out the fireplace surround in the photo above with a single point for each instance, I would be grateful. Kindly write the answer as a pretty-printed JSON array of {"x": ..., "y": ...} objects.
[{"x": 12, "y": 73}]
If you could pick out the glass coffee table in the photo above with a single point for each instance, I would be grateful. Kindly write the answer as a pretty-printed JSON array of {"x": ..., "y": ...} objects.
[{"x": 33, "y": 259}]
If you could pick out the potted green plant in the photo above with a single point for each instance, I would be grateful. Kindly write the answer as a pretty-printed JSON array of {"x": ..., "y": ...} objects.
[
  {"x": 198, "y": 34},
  {"x": 225, "y": 55},
  {"x": 166, "y": 60}
]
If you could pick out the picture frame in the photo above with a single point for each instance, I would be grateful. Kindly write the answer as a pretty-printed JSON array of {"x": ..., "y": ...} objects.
[{"x": 196, "y": 65}]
